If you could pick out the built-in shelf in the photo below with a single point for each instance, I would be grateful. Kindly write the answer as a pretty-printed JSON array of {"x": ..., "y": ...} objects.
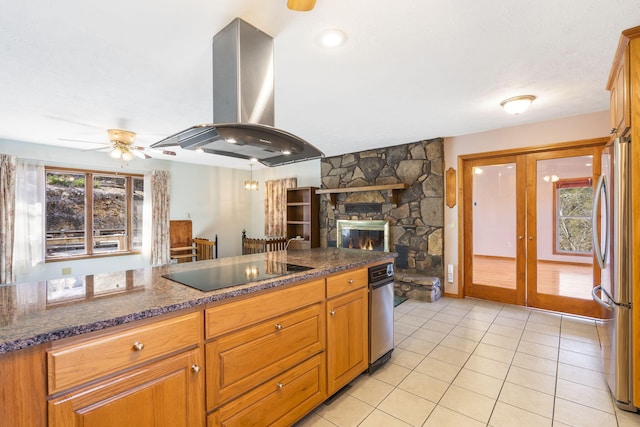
[{"x": 394, "y": 191}]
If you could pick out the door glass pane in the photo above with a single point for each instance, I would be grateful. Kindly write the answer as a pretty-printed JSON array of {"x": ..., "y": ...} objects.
[
  {"x": 494, "y": 225},
  {"x": 109, "y": 213},
  {"x": 564, "y": 197},
  {"x": 65, "y": 212}
]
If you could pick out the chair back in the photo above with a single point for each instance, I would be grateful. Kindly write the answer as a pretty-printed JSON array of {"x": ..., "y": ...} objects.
[{"x": 206, "y": 249}]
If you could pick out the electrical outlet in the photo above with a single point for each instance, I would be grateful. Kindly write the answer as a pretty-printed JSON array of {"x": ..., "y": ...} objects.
[
  {"x": 66, "y": 271},
  {"x": 450, "y": 273}
]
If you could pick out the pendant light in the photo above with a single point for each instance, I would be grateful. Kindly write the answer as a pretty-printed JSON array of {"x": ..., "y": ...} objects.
[{"x": 251, "y": 185}]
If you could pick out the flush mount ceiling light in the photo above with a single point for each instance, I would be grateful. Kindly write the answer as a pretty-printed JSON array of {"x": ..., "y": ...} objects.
[
  {"x": 332, "y": 38},
  {"x": 517, "y": 104}
]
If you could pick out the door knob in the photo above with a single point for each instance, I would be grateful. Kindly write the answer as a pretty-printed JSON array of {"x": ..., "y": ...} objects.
[
  {"x": 137, "y": 346},
  {"x": 195, "y": 369},
  {"x": 520, "y": 237},
  {"x": 332, "y": 312},
  {"x": 278, "y": 326},
  {"x": 530, "y": 237}
]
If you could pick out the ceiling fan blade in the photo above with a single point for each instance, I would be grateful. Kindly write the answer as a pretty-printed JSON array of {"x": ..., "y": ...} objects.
[
  {"x": 159, "y": 151},
  {"x": 301, "y": 5},
  {"x": 139, "y": 153},
  {"x": 84, "y": 140}
]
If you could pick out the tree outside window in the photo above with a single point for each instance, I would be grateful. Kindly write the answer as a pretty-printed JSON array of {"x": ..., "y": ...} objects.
[
  {"x": 92, "y": 213},
  {"x": 573, "y": 224}
]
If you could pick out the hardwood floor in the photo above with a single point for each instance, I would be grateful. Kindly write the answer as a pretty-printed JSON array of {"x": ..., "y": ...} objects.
[{"x": 554, "y": 278}]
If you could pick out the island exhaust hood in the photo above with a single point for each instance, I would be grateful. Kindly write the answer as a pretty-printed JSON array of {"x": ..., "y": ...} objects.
[{"x": 243, "y": 111}]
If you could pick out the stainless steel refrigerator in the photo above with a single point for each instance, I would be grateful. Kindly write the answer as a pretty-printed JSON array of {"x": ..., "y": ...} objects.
[{"x": 613, "y": 251}]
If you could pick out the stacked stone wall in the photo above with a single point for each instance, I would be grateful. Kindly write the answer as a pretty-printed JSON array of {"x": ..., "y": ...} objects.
[{"x": 416, "y": 222}]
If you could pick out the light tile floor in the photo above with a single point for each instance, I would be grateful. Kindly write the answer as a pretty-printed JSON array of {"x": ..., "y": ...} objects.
[{"x": 467, "y": 362}]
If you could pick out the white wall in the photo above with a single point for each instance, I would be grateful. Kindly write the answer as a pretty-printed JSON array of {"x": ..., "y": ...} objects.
[{"x": 594, "y": 125}]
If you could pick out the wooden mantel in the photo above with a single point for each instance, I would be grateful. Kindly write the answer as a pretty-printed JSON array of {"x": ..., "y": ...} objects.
[{"x": 394, "y": 190}]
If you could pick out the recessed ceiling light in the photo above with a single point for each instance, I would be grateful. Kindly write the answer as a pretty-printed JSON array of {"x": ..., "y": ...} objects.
[
  {"x": 332, "y": 38},
  {"x": 231, "y": 140},
  {"x": 286, "y": 151}
]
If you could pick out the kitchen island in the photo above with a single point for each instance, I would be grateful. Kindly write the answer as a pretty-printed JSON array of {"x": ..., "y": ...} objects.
[{"x": 53, "y": 338}]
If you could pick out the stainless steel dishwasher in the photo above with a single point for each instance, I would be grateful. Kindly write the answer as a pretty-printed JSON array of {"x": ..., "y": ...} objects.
[{"x": 381, "y": 281}]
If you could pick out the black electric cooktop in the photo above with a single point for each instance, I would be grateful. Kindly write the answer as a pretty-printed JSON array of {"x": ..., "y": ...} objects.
[{"x": 224, "y": 276}]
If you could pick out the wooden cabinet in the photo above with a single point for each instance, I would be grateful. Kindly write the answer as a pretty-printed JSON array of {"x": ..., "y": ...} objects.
[
  {"x": 302, "y": 217},
  {"x": 148, "y": 375},
  {"x": 265, "y": 356},
  {"x": 625, "y": 106},
  {"x": 347, "y": 328},
  {"x": 167, "y": 393},
  {"x": 76, "y": 363},
  {"x": 23, "y": 387},
  {"x": 618, "y": 86}
]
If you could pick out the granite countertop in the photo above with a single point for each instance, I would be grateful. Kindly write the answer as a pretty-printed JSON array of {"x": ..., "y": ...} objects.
[{"x": 37, "y": 313}]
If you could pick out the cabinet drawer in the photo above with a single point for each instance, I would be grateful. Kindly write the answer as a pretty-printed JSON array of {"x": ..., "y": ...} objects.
[
  {"x": 235, "y": 315},
  {"x": 88, "y": 360},
  {"x": 242, "y": 360},
  {"x": 345, "y": 282},
  {"x": 279, "y": 402}
]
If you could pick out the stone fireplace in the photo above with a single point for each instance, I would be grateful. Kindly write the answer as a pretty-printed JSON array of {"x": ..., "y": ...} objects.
[
  {"x": 367, "y": 235},
  {"x": 414, "y": 212}
]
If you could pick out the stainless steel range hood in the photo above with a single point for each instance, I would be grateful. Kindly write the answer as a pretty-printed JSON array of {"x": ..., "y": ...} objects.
[{"x": 243, "y": 111}]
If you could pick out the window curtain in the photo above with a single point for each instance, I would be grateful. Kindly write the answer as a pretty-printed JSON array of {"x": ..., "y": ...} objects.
[
  {"x": 29, "y": 232},
  {"x": 160, "y": 240},
  {"x": 275, "y": 206},
  {"x": 7, "y": 215}
]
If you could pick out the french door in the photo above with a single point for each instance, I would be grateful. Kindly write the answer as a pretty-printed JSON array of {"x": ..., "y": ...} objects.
[{"x": 527, "y": 229}]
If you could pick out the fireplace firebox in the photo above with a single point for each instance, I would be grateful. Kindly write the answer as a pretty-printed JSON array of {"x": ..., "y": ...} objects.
[{"x": 369, "y": 235}]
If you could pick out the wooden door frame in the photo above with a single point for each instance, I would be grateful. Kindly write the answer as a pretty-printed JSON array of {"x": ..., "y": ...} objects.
[{"x": 464, "y": 223}]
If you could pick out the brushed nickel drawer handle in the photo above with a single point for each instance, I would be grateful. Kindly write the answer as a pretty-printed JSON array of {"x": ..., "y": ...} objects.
[
  {"x": 280, "y": 386},
  {"x": 278, "y": 327},
  {"x": 138, "y": 346},
  {"x": 351, "y": 281},
  {"x": 195, "y": 369}
]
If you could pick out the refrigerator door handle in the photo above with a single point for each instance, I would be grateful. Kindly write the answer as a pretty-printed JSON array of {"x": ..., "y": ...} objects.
[
  {"x": 609, "y": 306},
  {"x": 597, "y": 299},
  {"x": 600, "y": 252}
]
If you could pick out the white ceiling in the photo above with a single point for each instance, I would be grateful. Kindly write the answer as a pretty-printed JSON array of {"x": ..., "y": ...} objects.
[{"x": 411, "y": 69}]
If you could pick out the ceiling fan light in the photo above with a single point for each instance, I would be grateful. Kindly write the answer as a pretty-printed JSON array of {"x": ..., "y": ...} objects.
[
  {"x": 517, "y": 104},
  {"x": 127, "y": 156},
  {"x": 301, "y": 5},
  {"x": 115, "y": 153}
]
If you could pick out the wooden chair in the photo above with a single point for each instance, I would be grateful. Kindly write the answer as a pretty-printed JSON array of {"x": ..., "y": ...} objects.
[
  {"x": 256, "y": 246},
  {"x": 205, "y": 248},
  {"x": 182, "y": 249}
]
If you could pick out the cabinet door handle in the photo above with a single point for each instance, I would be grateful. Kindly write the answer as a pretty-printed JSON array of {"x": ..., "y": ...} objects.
[
  {"x": 280, "y": 386},
  {"x": 195, "y": 369},
  {"x": 137, "y": 346},
  {"x": 351, "y": 281},
  {"x": 278, "y": 326},
  {"x": 332, "y": 312}
]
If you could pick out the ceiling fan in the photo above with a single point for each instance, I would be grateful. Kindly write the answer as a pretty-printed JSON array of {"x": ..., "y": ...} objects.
[
  {"x": 301, "y": 5},
  {"x": 121, "y": 146}
]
